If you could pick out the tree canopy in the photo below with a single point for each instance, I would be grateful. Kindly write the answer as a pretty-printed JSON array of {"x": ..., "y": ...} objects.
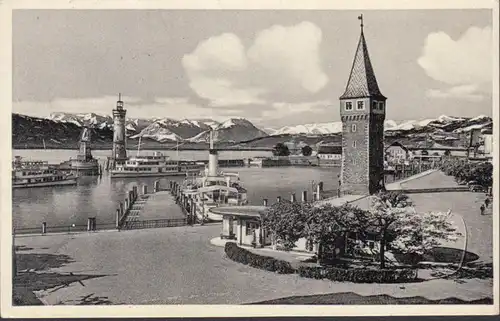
[
  {"x": 307, "y": 150},
  {"x": 391, "y": 217},
  {"x": 281, "y": 150}
]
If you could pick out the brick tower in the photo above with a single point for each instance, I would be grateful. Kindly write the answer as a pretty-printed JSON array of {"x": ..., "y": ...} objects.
[
  {"x": 362, "y": 111},
  {"x": 119, "y": 134}
]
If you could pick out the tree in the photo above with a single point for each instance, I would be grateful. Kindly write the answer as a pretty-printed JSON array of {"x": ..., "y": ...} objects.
[
  {"x": 281, "y": 150},
  {"x": 447, "y": 152},
  {"x": 307, "y": 150},
  {"x": 421, "y": 233},
  {"x": 286, "y": 221},
  {"x": 385, "y": 211}
]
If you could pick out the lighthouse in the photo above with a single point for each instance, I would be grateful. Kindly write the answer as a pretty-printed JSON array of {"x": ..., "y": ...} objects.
[{"x": 119, "y": 137}]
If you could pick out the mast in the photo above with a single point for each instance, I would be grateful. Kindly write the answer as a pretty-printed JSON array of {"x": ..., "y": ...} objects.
[{"x": 139, "y": 146}]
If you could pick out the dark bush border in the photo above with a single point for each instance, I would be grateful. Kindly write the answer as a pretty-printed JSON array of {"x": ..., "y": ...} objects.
[
  {"x": 238, "y": 254},
  {"x": 241, "y": 255}
]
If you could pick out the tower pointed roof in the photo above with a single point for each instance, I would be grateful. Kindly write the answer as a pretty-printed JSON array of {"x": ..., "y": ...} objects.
[{"x": 362, "y": 81}]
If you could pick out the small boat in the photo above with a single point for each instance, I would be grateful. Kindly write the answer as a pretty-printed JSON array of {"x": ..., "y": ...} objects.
[{"x": 38, "y": 174}]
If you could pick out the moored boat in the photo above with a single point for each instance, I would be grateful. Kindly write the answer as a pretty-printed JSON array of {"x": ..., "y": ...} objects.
[{"x": 38, "y": 174}]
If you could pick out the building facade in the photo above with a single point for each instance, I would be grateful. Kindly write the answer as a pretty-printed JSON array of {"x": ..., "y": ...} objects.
[
  {"x": 362, "y": 111},
  {"x": 119, "y": 133},
  {"x": 396, "y": 152},
  {"x": 329, "y": 155}
]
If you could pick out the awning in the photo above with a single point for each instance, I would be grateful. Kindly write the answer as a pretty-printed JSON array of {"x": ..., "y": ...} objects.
[{"x": 216, "y": 188}]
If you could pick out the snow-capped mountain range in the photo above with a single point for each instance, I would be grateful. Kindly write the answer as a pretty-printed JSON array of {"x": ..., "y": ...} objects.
[
  {"x": 442, "y": 123},
  {"x": 241, "y": 129},
  {"x": 167, "y": 129}
]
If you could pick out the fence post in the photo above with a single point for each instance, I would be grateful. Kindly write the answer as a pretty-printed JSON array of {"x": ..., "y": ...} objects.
[
  {"x": 44, "y": 227},
  {"x": 89, "y": 224},
  {"x": 117, "y": 218},
  {"x": 278, "y": 199},
  {"x": 265, "y": 201},
  {"x": 293, "y": 198}
]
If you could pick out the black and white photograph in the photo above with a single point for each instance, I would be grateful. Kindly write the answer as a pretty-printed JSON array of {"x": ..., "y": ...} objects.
[{"x": 185, "y": 154}]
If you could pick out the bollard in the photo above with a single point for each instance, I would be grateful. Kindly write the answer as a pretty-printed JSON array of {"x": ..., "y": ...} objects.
[
  {"x": 318, "y": 192},
  {"x": 278, "y": 199},
  {"x": 89, "y": 224},
  {"x": 144, "y": 189},
  {"x": 117, "y": 218},
  {"x": 131, "y": 198},
  {"x": 44, "y": 227},
  {"x": 121, "y": 209},
  {"x": 94, "y": 223},
  {"x": 265, "y": 201},
  {"x": 293, "y": 199},
  {"x": 304, "y": 196},
  {"x": 127, "y": 205}
]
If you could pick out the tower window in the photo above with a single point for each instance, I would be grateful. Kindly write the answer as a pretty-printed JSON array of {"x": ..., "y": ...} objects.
[
  {"x": 353, "y": 128},
  {"x": 360, "y": 105},
  {"x": 348, "y": 105},
  {"x": 354, "y": 144},
  {"x": 381, "y": 105},
  {"x": 375, "y": 105}
]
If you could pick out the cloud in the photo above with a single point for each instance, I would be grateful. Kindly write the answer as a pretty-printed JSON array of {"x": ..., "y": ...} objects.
[
  {"x": 281, "y": 58},
  {"x": 466, "y": 92},
  {"x": 282, "y": 109},
  {"x": 464, "y": 64}
]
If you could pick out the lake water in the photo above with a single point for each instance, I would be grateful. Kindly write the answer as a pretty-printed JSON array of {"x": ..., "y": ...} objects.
[{"x": 99, "y": 197}]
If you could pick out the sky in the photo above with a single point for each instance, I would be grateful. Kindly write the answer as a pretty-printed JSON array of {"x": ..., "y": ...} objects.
[{"x": 273, "y": 67}]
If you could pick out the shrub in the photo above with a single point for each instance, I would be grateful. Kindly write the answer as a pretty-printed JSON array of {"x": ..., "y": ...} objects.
[
  {"x": 238, "y": 254},
  {"x": 359, "y": 275}
]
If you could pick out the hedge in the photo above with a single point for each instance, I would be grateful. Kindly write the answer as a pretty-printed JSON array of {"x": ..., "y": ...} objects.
[
  {"x": 238, "y": 254},
  {"x": 359, "y": 275}
]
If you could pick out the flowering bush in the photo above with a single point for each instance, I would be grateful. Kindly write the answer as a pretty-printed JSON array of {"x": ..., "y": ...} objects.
[{"x": 359, "y": 275}]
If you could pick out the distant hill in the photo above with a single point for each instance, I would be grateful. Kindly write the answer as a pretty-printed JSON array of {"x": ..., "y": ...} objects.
[{"x": 62, "y": 130}]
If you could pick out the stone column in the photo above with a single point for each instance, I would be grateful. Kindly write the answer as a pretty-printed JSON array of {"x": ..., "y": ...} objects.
[
  {"x": 293, "y": 199},
  {"x": 304, "y": 196},
  {"x": 127, "y": 205},
  {"x": 117, "y": 218},
  {"x": 318, "y": 192},
  {"x": 265, "y": 202},
  {"x": 121, "y": 209},
  {"x": 278, "y": 199}
]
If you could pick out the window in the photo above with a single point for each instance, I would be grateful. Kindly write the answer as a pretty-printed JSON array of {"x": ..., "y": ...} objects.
[
  {"x": 354, "y": 144},
  {"x": 381, "y": 105},
  {"x": 354, "y": 161},
  {"x": 374, "y": 105},
  {"x": 360, "y": 105},
  {"x": 353, "y": 128},
  {"x": 348, "y": 105}
]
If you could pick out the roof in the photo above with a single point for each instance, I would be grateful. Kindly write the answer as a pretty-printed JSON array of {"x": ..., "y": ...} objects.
[
  {"x": 330, "y": 149},
  {"x": 398, "y": 144},
  {"x": 245, "y": 211},
  {"x": 362, "y": 81}
]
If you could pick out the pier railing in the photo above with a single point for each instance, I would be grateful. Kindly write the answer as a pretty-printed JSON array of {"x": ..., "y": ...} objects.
[
  {"x": 157, "y": 223},
  {"x": 48, "y": 229}
]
